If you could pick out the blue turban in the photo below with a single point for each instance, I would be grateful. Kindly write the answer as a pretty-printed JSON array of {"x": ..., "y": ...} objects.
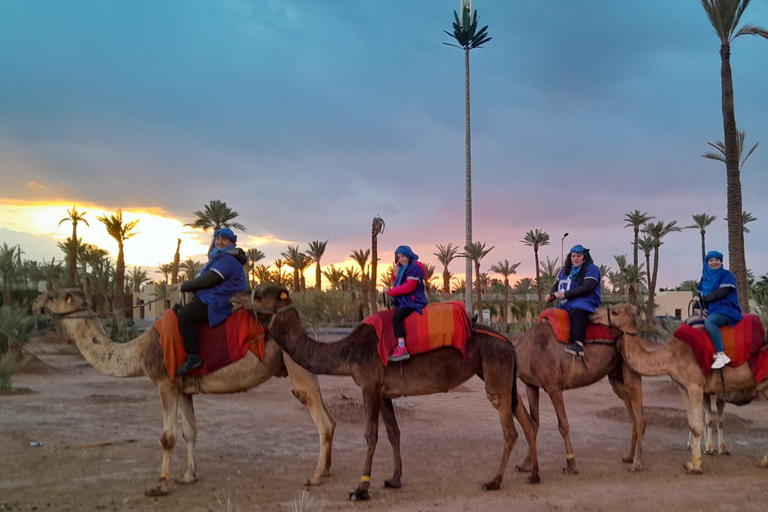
[
  {"x": 713, "y": 254},
  {"x": 226, "y": 233},
  {"x": 578, "y": 249}
]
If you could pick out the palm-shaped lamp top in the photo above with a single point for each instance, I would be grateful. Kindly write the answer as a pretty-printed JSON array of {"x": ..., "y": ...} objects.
[{"x": 465, "y": 29}]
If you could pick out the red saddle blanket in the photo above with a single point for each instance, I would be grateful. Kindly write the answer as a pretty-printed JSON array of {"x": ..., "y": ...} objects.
[
  {"x": 561, "y": 325},
  {"x": 743, "y": 342},
  {"x": 224, "y": 344},
  {"x": 442, "y": 324}
]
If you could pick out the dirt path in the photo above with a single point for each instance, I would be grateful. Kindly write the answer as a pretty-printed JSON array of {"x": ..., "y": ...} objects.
[{"x": 101, "y": 449}]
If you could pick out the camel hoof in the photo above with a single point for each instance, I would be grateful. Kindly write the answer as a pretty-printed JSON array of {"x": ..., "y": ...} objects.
[
  {"x": 724, "y": 451},
  {"x": 710, "y": 451},
  {"x": 156, "y": 491},
  {"x": 635, "y": 468},
  {"x": 533, "y": 479},
  {"x": 570, "y": 471},
  {"x": 627, "y": 460},
  {"x": 186, "y": 479},
  {"x": 359, "y": 495},
  {"x": 691, "y": 469},
  {"x": 392, "y": 484},
  {"x": 311, "y": 482},
  {"x": 493, "y": 485}
]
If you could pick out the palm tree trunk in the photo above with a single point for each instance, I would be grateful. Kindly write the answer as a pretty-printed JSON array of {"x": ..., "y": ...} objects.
[
  {"x": 479, "y": 293},
  {"x": 632, "y": 291},
  {"x": 318, "y": 276},
  {"x": 73, "y": 256},
  {"x": 703, "y": 245},
  {"x": 506, "y": 303},
  {"x": 374, "y": 271},
  {"x": 538, "y": 282},
  {"x": 176, "y": 258},
  {"x": 468, "y": 184},
  {"x": 446, "y": 281},
  {"x": 652, "y": 288},
  {"x": 738, "y": 263}
]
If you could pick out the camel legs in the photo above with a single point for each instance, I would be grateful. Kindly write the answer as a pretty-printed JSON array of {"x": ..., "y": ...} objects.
[
  {"x": 693, "y": 396},
  {"x": 189, "y": 431},
  {"x": 533, "y": 403},
  {"x": 631, "y": 392},
  {"x": 556, "y": 396},
  {"x": 393, "y": 434},
  {"x": 372, "y": 404},
  {"x": 709, "y": 422},
  {"x": 170, "y": 398},
  {"x": 306, "y": 389}
]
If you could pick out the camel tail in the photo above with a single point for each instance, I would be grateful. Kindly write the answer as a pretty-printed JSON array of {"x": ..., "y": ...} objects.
[{"x": 514, "y": 387}]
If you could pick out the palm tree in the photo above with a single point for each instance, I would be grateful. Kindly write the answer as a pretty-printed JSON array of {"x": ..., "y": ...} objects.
[
  {"x": 657, "y": 231},
  {"x": 334, "y": 276},
  {"x": 120, "y": 232},
  {"x": 701, "y": 221},
  {"x": 74, "y": 217},
  {"x": 361, "y": 258},
  {"x": 298, "y": 261},
  {"x": 52, "y": 273},
  {"x": 254, "y": 256},
  {"x": 191, "y": 268},
  {"x": 604, "y": 271},
  {"x": 537, "y": 238},
  {"x": 475, "y": 252},
  {"x": 445, "y": 255},
  {"x": 724, "y": 15},
  {"x": 136, "y": 278},
  {"x": 262, "y": 274},
  {"x": 429, "y": 274},
  {"x": 689, "y": 285},
  {"x": 377, "y": 227},
  {"x": 10, "y": 265},
  {"x": 215, "y": 215},
  {"x": 469, "y": 38},
  {"x": 279, "y": 263},
  {"x": 315, "y": 252},
  {"x": 720, "y": 147},
  {"x": 746, "y": 217},
  {"x": 636, "y": 220},
  {"x": 549, "y": 270},
  {"x": 166, "y": 269},
  {"x": 504, "y": 269}
]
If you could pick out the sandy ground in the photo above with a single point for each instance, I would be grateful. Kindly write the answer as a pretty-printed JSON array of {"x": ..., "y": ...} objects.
[{"x": 101, "y": 449}]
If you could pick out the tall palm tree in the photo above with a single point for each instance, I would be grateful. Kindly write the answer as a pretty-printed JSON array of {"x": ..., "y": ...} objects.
[
  {"x": 429, "y": 274},
  {"x": 377, "y": 227},
  {"x": 537, "y": 238},
  {"x": 549, "y": 270},
  {"x": 724, "y": 15},
  {"x": 166, "y": 269},
  {"x": 136, "y": 278},
  {"x": 636, "y": 220},
  {"x": 176, "y": 261},
  {"x": 315, "y": 253},
  {"x": 215, "y": 215},
  {"x": 445, "y": 255},
  {"x": 504, "y": 269},
  {"x": 468, "y": 37},
  {"x": 701, "y": 221},
  {"x": 657, "y": 231},
  {"x": 646, "y": 245},
  {"x": 720, "y": 147},
  {"x": 475, "y": 252},
  {"x": 191, "y": 268},
  {"x": 298, "y": 261},
  {"x": 746, "y": 218},
  {"x": 279, "y": 263},
  {"x": 361, "y": 258},
  {"x": 254, "y": 256},
  {"x": 121, "y": 232},
  {"x": 74, "y": 217},
  {"x": 334, "y": 276}
]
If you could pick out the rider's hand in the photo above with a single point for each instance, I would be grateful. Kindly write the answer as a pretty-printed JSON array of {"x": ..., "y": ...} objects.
[{"x": 696, "y": 299}]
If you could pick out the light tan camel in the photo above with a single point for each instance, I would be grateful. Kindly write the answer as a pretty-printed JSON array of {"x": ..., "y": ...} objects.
[
  {"x": 677, "y": 360},
  {"x": 144, "y": 356},
  {"x": 542, "y": 363},
  {"x": 489, "y": 356}
]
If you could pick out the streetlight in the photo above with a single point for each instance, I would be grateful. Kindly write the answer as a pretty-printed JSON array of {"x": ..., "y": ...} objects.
[{"x": 562, "y": 261}]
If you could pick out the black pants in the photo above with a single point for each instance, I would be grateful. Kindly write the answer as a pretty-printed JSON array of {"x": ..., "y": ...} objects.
[
  {"x": 579, "y": 321},
  {"x": 191, "y": 317},
  {"x": 398, "y": 319}
]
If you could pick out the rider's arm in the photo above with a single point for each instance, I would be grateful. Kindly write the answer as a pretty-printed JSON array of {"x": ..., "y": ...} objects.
[{"x": 207, "y": 280}]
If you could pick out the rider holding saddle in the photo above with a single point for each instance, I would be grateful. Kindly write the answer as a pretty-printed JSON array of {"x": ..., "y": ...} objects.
[{"x": 407, "y": 294}]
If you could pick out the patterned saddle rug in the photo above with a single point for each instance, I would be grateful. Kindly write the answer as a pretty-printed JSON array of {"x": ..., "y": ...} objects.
[
  {"x": 442, "y": 324},
  {"x": 224, "y": 344},
  {"x": 561, "y": 325},
  {"x": 744, "y": 342}
]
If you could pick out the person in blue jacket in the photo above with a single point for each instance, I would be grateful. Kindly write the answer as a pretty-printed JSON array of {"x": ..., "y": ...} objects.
[
  {"x": 718, "y": 294},
  {"x": 407, "y": 294},
  {"x": 578, "y": 289},
  {"x": 220, "y": 278}
]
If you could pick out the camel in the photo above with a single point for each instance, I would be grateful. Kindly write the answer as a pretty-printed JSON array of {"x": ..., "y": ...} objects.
[
  {"x": 144, "y": 356},
  {"x": 677, "y": 360},
  {"x": 542, "y": 363},
  {"x": 489, "y": 356}
]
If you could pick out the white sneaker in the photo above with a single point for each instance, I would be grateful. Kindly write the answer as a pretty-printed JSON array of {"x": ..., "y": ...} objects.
[{"x": 720, "y": 360}]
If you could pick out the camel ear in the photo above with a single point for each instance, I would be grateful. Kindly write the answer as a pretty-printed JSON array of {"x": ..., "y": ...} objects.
[{"x": 283, "y": 295}]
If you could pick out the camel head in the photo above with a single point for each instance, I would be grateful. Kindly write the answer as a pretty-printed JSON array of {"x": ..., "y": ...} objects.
[
  {"x": 264, "y": 303},
  {"x": 620, "y": 316},
  {"x": 61, "y": 303}
]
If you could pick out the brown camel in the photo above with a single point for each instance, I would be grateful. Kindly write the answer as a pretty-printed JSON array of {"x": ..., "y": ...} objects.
[
  {"x": 677, "y": 360},
  {"x": 542, "y": 363},
  {"x": 144, "y": 356},
  {"x": 489, "y": 356}
]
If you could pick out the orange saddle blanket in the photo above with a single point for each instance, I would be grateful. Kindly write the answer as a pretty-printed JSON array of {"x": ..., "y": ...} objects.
[
  {"x": 745, "y": 341},
  {"x": 561, "y": 325},
  {"x": 224, "y": 344},
  {"x": 442, "y": 324}
]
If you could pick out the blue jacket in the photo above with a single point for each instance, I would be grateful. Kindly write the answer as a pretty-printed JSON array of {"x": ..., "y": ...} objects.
[
  {"x": 589, "y": 300},
  {"x": 728, "y": 306},
  {"x": 229, "y": 265}
]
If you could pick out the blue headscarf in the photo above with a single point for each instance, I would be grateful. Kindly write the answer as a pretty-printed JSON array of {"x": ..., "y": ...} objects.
[
  {"x": 407, "y": 252},
  {"x": 578, "y": 249},
  {"x": 711, "y": 277},
  {"x": 225, "y": 233}
]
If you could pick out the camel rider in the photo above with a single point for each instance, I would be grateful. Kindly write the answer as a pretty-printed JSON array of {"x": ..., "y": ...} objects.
[
  {"x": 578, "y": 289},
  {"x": 220, "y": 278},
  {"x": 407, "y": 294},
  {"x": 717, "y": 292}
]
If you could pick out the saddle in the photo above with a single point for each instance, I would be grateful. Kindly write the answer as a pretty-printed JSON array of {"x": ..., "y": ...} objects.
[
  {"x": 561, "y": 326},
  {"x": 441, "y": 324},
  {"x": 220, "y": 346},
  {"x": 744, "y": 342}
]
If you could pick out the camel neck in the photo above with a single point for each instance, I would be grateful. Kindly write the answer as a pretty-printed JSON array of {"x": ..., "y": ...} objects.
[
  {"x": 641, "y": 360},
  {"x": 106, "y": 356}
]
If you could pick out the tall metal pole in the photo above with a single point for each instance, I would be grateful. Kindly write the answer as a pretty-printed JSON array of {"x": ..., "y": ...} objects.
[{"x": 562, "y": 255}]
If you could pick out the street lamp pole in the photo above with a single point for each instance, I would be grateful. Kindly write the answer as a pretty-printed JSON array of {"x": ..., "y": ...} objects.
[{"x": 562, "y": 261}]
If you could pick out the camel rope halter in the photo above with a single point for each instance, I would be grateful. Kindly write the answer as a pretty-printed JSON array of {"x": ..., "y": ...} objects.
[{"x": 270, "y": 312}]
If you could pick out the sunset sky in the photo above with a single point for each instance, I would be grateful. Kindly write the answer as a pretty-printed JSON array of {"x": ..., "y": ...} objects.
[{"x": 310, "y": 118}]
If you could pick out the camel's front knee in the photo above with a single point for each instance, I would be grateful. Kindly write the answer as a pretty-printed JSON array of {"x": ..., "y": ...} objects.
[
  {"x": 168, "y": 441},
  {"x": 301, "y": 396}
]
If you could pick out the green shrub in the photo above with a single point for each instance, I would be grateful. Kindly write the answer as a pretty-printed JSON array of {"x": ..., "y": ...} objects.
[
  {"x": 8, "y": 367},
  {"x": 332, "y": 308}
]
